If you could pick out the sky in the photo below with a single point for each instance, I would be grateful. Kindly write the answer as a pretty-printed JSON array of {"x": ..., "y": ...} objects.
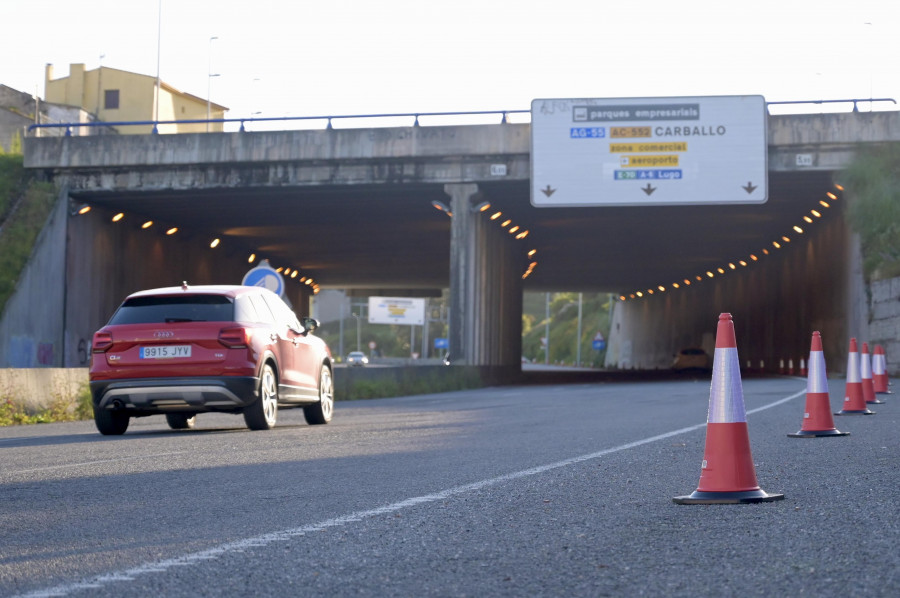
[{"x": 340, "y": 57}]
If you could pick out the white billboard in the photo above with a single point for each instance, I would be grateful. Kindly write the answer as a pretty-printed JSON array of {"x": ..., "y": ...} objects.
[
  {"x": 396, "y": 310},
  {"x": 649, "y": 151}
]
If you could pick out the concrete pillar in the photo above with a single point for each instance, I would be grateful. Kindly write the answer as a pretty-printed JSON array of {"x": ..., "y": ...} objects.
[{"x": 486, "y": 266}]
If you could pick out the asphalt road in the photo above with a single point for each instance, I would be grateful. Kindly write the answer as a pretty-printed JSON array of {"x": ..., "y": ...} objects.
[{"x": 555, "y": 490}]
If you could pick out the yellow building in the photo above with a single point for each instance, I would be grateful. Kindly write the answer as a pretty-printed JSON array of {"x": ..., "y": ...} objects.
[{"x": 118, "y": 96}]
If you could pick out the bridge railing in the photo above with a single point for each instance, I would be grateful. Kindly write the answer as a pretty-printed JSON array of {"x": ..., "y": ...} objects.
[{"x": 328, "y": 120}]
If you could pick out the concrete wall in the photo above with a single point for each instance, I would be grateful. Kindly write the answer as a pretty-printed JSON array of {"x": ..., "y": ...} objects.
[
  {"x": 33, "y": 320},
  {"x": 38, "y": 389},
  {"x": 884, "y": 327}
]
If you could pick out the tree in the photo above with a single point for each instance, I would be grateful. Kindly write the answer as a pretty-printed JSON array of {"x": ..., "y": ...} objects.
[{"x": 872, "y": 183}]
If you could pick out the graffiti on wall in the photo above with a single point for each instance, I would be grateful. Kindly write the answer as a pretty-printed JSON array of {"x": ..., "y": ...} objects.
[{"x": 24, "y": 352}]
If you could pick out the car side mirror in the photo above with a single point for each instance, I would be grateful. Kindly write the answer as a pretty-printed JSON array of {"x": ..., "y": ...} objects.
[{"x": 309, "y": 324}]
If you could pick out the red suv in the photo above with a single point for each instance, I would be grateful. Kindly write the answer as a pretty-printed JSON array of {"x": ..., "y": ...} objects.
[{"x": 181, "y": 351}]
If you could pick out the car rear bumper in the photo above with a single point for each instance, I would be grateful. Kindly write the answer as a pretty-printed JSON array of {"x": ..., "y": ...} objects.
[{"x": 161, "y": 395}]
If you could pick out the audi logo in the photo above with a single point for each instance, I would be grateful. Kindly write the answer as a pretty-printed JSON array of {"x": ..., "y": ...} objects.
[{"x": 163, "y": 334}]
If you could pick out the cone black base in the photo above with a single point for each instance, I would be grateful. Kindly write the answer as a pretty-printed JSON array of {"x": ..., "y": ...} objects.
[
  {"x": 875, "y": 402},
  {"x": 817, "y": 433},
  {"x": 726, "y": 498},
  {"x": 856, "y": 412}
]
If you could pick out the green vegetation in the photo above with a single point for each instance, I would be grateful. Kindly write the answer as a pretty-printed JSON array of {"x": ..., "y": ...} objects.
[
  {"x": 563, "y": 324},
  {"x": 872, "y": 183},
  {"x": 62, "y": 409},
  {"x": 25, "y": 205}
]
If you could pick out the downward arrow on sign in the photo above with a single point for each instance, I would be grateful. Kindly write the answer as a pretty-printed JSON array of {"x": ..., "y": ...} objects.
[
  {"x": 548, "y": 191},
  {"x": 648, "y": 189},
  {"x": 749, "y": 188}
]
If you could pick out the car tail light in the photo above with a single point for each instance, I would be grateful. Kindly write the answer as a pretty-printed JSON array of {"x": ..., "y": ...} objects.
[
  {"x": 102, "y": 342},
  {"x": 235, "y": 338}
]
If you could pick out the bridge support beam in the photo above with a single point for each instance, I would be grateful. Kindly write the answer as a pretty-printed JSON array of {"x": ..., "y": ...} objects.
[{"x": 485, "y": 286}]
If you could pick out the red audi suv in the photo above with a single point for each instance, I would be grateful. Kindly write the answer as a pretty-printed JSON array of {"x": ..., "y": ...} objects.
[{"x": 180, "y": 351}]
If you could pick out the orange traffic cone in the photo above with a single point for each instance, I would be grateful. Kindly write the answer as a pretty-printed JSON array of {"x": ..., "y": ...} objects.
[
  {"x": 817, "y": 420},
  {"x": 868, "y": 386},
  {"x": 854, "y": 402},
  {"x": 727, "y": 475},
  {"x": 803, "y": 371},
  {"x": 879, "y": 371}
]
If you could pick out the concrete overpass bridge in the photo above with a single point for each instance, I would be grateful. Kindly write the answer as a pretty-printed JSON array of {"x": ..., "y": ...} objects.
[{"x": 354, "y": 209}]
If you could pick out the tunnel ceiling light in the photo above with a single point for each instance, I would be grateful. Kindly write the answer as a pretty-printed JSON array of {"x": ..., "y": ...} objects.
[
  {"x": 294, "y": 274},
  {"x": 776, "y": 244},
  {"x": 147, "y": 224},
  {"x": 710, "y": 274},
  {"x": 785, "y": 239},
  {"x": 287, "y": 271},
  {"x": 513, "y": 230},
  {"x": 118, "y": 217},
  {"x": 766, "y": 251},
  {"x": 522, "y": 234},
  {"x": 742, "y": 262},
  {"x": 215, "y": 243},
  {"x": 84, "y": 210},
  {"x": 754, "y": 258},
  {"x": 439, "y": 205},
  {"x": 482, "y": 207},
  {"x": 639, "y": 294},
  {"x": 832, "y": 195},
  {"x": 532, "y": 252},
  {"x": 303, "y": 279},
  {"x": 662, "y": 288},
  {"x": 252, "y": 258},
  {"x": 496, "y": 215},
  {"x": 675, "y": 285},
  {"x": 838, "y": 187},
  {"x": 807, "y": 219},
  {"x": 172, "y": 231},
  {"x": 798, "y": 229},
  {"x": 279, "y": 270},
  {"x": 506, "y": 223},
  {"x": 824, "y": 203},
  {"x": 815, "y": 213},
  {"x": 732, "y": 266},
  {"x": 720, "y": 270}
]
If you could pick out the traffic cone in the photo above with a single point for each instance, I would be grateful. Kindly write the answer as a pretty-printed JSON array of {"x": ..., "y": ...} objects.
[
  {"x": 803, "y": 371},
  {"x": 879, "y": 371},
  {"x": 790, "y": 369},
  {"x": 868, "y": 386},
  {"x": 854, "y": 402},
  {"x": 781, "y": 366},
  {"x": 727, "y": 475},
  {"x": 817, "y": 420}
]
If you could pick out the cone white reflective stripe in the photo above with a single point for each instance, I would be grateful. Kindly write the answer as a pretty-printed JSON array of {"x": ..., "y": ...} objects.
[
  {"x": 865, "y": 365},
  {"x": 853, "y": 367},
  {"x": 726, "y": 395},
  {"x": 817, "y": 381},
  {"x": 878, "y": 364}
]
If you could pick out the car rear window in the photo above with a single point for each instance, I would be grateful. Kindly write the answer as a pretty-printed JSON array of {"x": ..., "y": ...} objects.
[{"x": 187, "y": 308}]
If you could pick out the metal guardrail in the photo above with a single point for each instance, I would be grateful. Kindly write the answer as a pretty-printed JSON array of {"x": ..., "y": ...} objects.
[{"x": 330, "y": 118}]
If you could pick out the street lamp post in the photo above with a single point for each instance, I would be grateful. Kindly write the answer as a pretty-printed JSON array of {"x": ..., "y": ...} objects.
[
  {"x": 209, "y": 76},
  {"x": 358, "y": 343}
]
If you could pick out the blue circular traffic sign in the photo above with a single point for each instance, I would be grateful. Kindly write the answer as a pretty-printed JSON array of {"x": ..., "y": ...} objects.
[{"x": 264, "y": 276}]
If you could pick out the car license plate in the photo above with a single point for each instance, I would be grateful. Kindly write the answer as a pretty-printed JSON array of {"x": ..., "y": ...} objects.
[{"x": 165, "y": 352}]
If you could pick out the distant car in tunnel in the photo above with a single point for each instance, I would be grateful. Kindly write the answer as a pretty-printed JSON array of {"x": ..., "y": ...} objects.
[
  {"x": 180, "y": 351},
  {"x": 357, "y": 359},
  {"x": 691, "y": 358}
]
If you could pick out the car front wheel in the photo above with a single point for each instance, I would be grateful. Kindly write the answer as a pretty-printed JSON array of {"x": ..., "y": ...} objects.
[
  {"x": 262, "y": 413},
  {"x": 321, "y": 412}
]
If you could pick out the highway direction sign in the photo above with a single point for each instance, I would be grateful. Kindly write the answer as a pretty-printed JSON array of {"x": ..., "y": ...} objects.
[{"x": 648, "y": 151}]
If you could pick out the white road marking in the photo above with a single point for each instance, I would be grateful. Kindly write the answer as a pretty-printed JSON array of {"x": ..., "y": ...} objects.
[{"x": 285, "y": 535}]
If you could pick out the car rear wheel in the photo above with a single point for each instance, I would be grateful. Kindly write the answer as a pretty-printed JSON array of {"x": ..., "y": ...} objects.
[
  {"x": 321, "y": 412},
  {"x": 110, "y": 423},
  {"x": 262, "y": 413},
  {"x": 181, "y": 421}
]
